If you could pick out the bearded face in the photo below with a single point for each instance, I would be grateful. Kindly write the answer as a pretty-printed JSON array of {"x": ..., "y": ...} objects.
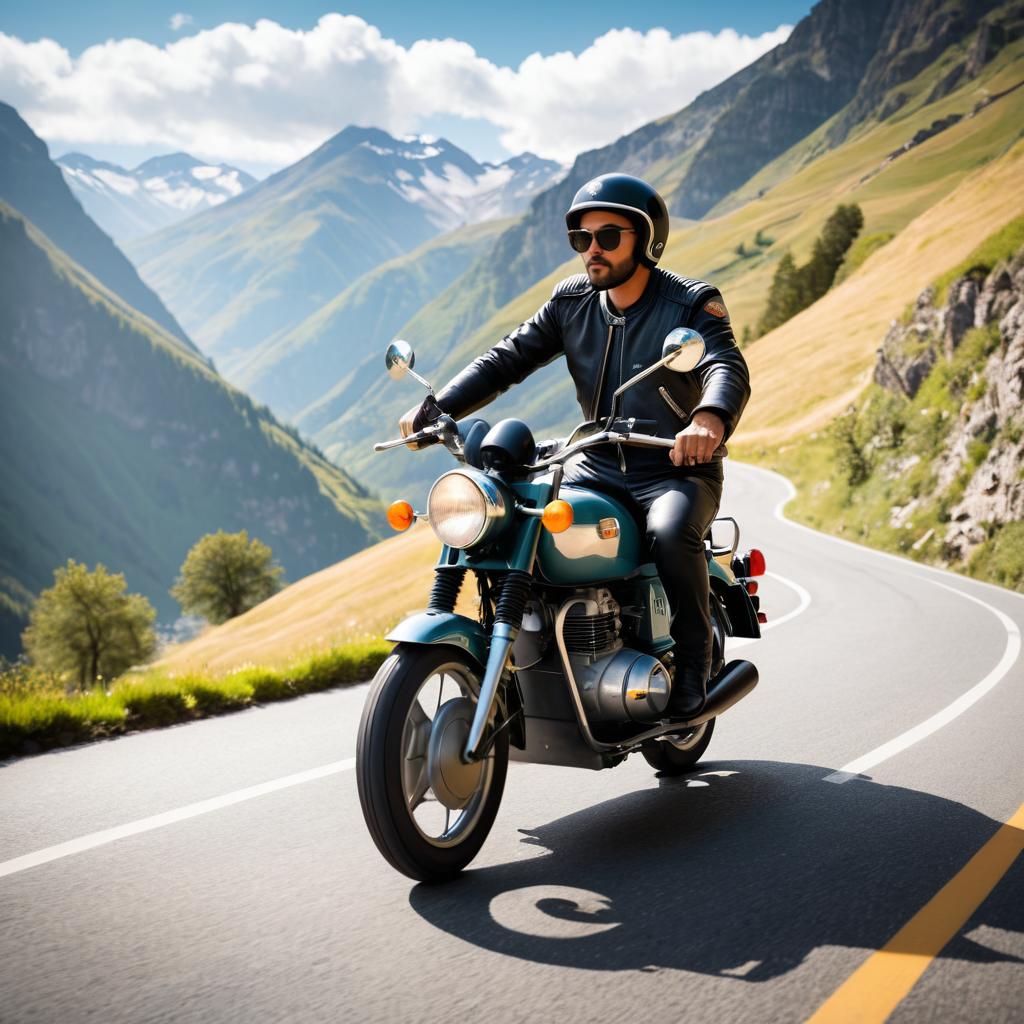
[{"x": 609, "y": 267}]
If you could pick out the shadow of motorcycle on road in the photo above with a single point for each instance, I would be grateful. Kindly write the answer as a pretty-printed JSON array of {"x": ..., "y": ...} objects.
[{"x": 741, "y": 869}]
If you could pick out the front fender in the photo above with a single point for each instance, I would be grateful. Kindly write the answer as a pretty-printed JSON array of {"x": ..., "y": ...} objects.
[{"x": 443, "y": 628}]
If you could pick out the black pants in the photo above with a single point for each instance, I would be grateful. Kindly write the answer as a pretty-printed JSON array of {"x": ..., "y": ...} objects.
[{"x": 677, "y": 505}]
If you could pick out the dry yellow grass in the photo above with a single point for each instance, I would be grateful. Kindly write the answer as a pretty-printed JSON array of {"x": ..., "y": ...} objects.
[
  {"x": 363, "y": 595},
  {"x": 808, "y": 370}
]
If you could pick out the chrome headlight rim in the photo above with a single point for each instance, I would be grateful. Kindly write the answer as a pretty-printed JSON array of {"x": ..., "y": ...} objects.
[{"x": 495, "y": 506}]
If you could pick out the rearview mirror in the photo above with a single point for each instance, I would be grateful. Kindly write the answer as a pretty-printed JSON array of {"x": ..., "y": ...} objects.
[
  {"x": 399, "y": 359},
  {"x": 682, "y": 349}
]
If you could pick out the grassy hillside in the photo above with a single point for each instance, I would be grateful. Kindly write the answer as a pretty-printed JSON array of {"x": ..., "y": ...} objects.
[
  {"x": 119, "y": 446},
  {"x": 929, "y": 462},
  {"x": 318, "y": 362}
]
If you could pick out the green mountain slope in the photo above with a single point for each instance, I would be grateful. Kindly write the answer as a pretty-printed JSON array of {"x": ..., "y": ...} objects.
[
  {"x": 263, "y": 262},
  {"x": 315, "y": 363},
  {"x": 34, "y": 185},
  {"x": 785, "y": 206},
  {"x": 118, "y": 446}
]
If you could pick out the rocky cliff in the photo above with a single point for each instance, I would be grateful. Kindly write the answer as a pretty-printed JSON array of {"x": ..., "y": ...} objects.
[{"x": 980, "y": 464}]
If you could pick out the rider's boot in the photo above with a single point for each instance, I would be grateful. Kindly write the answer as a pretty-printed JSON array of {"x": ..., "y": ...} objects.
[{"x": 689, "y": 691}]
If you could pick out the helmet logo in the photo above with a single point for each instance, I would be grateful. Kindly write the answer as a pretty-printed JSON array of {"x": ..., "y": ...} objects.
[
  {"x": 659, "y": 246},
  {"x": 593, "y": 187}
]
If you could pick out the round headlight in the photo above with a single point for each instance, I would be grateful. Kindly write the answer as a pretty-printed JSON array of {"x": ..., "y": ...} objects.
[{"x": 463, "y": 508}]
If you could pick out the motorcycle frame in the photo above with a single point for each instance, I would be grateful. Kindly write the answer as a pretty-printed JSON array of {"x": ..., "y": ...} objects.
[{"x": 491, "y": 652}]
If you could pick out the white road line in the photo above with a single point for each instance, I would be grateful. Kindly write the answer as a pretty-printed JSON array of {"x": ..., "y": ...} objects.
[
  {"x": 962, "y": 703},
  {"x": 906, "y": 563},
  {"x": 133, "y": 828},
  {"x": 805, "y": 601},
  {"x": 947, "y": 714}
]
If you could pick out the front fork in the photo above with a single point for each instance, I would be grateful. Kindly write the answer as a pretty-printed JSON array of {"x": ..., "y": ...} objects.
[{"x": 508, "y": 617}]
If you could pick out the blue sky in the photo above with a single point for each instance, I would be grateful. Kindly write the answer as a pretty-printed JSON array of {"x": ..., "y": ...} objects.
[
  {"x": 241, "y": 94},
  {"x": 504, "y": 35}
]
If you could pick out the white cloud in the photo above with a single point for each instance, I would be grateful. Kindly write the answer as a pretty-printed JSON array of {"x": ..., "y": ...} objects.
[
  {"x": 269, "y": 94},
  {"x": 179, "y": 21}
]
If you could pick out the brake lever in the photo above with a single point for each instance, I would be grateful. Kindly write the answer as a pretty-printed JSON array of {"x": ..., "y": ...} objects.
[{"x": 426, "y": 434}]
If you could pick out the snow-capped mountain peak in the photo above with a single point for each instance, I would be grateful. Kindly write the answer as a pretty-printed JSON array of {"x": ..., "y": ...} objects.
[
  {"x": 449, "y": 185},
  {"x": 162, "y": 190}
]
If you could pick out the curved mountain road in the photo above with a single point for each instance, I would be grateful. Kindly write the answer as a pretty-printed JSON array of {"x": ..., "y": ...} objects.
[{"x": 220, "y": 871}]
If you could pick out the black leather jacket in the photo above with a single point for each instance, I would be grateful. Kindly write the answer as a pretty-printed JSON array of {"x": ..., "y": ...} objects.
[{"x": 604, "y": 348}]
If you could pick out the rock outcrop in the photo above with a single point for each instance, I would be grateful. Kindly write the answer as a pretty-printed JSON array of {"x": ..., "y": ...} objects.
[{"x": 994, "y": 492}]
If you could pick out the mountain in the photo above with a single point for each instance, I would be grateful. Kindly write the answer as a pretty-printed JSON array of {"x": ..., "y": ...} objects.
[
  {"x": 33, "y": 185},
  {"x": 262, "y": 262},
  {"x": 841, "y": 57},
  {"x": 322, "y": 363},
  {"x": 119, "y": 446},
  {"x": 161, "y": 191},
  {"x": 897, "y": 168}
]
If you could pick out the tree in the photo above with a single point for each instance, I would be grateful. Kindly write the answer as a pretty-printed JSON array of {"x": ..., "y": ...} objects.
[
  {"x": 785, "y": 298},
  {"x": 87, "y": 624},
  {"x": 795, "y": 288},
  {"x": 226, "y": 574},
  {"x": 830, "y": 247}
]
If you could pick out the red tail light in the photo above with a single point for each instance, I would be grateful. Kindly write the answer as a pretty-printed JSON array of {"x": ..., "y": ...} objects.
[
  {"x": 751, "y": 587},
  {"x": 762, "y": 618},
  {"x": 755, "y": 563}
]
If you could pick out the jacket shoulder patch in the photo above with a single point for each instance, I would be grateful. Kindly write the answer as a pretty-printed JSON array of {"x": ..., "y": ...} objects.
[{"x": 716, "y": 308}]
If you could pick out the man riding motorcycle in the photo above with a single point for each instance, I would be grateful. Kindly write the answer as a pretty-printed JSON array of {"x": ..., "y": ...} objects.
[{"x": 610, "y": 322}]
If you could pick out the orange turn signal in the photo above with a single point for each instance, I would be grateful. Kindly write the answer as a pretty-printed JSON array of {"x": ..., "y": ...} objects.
[
  {"x": 400, "y": 515},
  {"x": 557, "y": 516}
]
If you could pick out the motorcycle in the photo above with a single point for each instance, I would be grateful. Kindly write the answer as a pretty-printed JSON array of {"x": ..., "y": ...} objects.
[{"x": 569, "y": 660}]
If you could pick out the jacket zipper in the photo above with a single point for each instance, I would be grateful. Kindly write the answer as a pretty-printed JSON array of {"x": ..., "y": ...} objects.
[
  {"x": 672, "y": 403},
  {"x": 600, "y": 376},
  {"x": 622, "y": 355}
]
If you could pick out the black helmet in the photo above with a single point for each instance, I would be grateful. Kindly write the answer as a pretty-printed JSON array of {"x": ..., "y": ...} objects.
[{"x": 636, "y": 200}]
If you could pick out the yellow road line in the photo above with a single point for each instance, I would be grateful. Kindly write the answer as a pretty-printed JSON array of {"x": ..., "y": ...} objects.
[{"x": 876, "y": 988}]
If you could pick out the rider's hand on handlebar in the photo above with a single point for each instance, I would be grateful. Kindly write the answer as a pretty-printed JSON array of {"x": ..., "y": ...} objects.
[
  {"x": 416, "y": 418},
  {"x": 698, "y": 441}
]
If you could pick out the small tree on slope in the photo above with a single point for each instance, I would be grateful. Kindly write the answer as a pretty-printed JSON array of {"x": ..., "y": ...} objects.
[{"x": 226, "y": 574}]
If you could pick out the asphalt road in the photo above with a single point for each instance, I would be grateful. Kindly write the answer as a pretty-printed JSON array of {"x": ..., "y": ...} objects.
[{"x": 754, "y": 890}]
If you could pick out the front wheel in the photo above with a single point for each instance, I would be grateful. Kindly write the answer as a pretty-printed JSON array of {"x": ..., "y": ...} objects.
[{"x": 428, "y": 812}]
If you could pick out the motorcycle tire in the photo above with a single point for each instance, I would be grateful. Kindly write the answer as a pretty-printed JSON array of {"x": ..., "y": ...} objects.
[
  {"x": 676, "y": 755},
  {"x": 402, "y": 776}
]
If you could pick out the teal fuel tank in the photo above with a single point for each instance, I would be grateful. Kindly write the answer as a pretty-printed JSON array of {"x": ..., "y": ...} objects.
[{"x": 603, "y": 542}]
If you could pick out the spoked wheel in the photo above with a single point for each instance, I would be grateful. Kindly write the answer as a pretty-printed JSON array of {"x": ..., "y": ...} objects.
[{"x": 427, "y": 810}]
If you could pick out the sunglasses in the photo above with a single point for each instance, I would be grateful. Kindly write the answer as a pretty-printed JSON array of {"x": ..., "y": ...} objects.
[{"x": 608, "y": 238}]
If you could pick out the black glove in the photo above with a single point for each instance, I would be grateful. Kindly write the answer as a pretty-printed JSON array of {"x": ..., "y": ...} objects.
[{"x": 429, "y": 412}]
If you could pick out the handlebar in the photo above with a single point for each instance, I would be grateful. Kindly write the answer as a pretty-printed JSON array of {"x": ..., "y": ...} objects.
[
  {"x": 431, "y": 434},
  {"x": 604, "y": 437},
  {"x": 620, "y": 432}
]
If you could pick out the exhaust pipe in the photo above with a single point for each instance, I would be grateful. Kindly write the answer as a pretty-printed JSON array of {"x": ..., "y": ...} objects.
[{"x": 731, "y": 685}]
